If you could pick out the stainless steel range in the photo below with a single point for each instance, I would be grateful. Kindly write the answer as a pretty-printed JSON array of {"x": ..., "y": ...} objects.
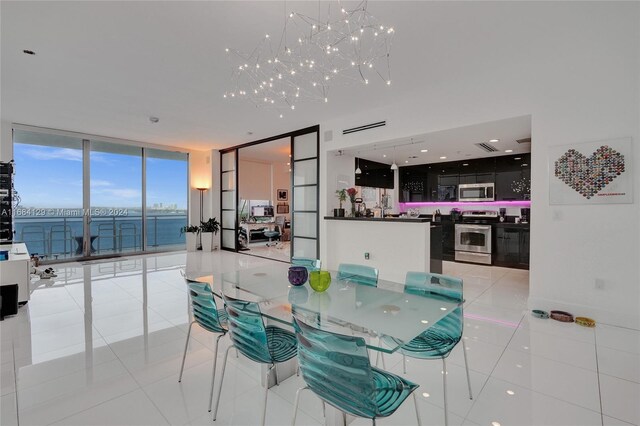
[{"x": 473, "y": 236}]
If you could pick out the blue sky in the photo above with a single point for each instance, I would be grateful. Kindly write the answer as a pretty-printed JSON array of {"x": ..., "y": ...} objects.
[{"x": 52, "y": 177}]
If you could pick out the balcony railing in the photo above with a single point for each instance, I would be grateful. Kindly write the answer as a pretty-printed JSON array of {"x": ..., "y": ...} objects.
[{"x": 62, "y": 237}]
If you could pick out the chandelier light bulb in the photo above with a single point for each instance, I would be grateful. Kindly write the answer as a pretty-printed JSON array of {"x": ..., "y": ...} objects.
[
  {"x": 281, "y": 115},
  {"x": 266, "y": 35},
  {"x": 293, "y": 107},
  {"x": 226, "y": 50},
  {"x": 291, "y": 15},
  {"x": 388, "y": 82},
  {"x": 326, "y": 99}
]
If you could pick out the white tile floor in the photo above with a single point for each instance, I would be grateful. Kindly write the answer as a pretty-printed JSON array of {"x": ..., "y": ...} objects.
[{"x": 102, "y": 345}]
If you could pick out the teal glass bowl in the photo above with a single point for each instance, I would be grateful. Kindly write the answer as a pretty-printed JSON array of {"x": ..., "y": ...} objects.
[{"x": 319, "y": 280}]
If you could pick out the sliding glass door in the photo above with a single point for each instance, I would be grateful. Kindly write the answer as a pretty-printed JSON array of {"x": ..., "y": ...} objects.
[
  {"x": 82, "y": 197},
  {"x": 116, "y": 198},
  {"x": 228, "y": 179},
  {"x": 305, "y": 225}
]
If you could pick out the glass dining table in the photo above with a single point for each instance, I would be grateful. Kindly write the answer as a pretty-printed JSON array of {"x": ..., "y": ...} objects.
[{"x": 346, "y": 307}]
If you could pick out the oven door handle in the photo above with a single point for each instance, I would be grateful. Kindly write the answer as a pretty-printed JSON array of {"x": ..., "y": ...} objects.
[{"x": 482, "y": 227}]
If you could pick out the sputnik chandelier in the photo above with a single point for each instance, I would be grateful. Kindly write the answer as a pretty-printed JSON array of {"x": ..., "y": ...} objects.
[{"x": 311, "y": 56}]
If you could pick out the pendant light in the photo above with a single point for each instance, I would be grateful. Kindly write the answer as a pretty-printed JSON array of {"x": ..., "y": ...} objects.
[
  {"x": 394, "y": 166},
  {"x": 358, "y": 171}
]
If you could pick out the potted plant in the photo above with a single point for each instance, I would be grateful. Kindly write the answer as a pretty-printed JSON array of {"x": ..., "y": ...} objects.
[
  {"x": 342, "y": 197},
  {"x": 209, "y": 229},
  {"x": 192, "y": 236}
]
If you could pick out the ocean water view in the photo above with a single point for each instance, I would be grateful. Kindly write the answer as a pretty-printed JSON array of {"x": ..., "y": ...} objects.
[{"x": 57, "y": 237}]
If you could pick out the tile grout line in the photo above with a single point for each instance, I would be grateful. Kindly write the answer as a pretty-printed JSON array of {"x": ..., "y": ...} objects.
[
  {"x": 466, "y": 417},
  {"x": 595, "y": 339},
  {"x": 15, "y": 379}
]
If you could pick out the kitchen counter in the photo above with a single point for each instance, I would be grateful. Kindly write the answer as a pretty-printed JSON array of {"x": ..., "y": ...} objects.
[
  {"x": 381, "y": 219},
  {"x": 510, "y": 225},
  {"x": 392, "y": 245}
]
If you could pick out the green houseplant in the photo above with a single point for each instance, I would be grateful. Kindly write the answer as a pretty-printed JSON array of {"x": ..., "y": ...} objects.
[
  {"x": 191, "y": 232},
  {"x": 342, "y": 197},
  {"x": 209, "y": 229}
]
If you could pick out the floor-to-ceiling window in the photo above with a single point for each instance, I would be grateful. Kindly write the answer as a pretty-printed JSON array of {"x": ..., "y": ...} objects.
[
  {"x": 83, "y": 196},
  {"x": 49, "y": 183},
  {"x": 166, "y": 198}
]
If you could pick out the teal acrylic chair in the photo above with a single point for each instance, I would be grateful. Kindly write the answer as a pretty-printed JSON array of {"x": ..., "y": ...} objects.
[
  {"x": 336, "y": 368},
  {"x": 265, "y": 345},
  {"x": 206, "y": 314},
  {"x": 439, "y": 339},
  {"x": 310, "y": 264},
  {"x": 360, "y": 274}
]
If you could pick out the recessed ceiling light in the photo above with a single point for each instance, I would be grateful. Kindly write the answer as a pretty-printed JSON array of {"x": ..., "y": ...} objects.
[
  {"x": 443, "y": 158},
  {"x": 495, "y": 424},
  {"x": 249, "y": 133},
  {"x": 29, "y": 52},
  {"x": 525, "y": 165},
  {"x": 384, "y": 155},
  {"x": 154, "y": 119},
  {"x": 508, "y": 150},
  {"x": 424, "y": 150},
  {"x": 465, "y": 164},
  {"x": 494, "y": 140},
  {"x": 425, "y": 394},
  {"x": 406, "y": 161},
  {"x": 510, "y": 392},
  {"x": 518, "y": 158}
]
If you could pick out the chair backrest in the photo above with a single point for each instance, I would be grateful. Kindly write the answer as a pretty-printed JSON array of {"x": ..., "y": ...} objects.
[
  {"x": 203, "y": 306},
  {"x": 280, "y": 221},
  {"x": 337, "y": 369},
  {"x": 310, "y": 264},
  {"x": 441, "y": 286},
  {"x": 365, "y": 275},
  {"x": 428, "y": 284},
  {"x": 247, "y": 330}
]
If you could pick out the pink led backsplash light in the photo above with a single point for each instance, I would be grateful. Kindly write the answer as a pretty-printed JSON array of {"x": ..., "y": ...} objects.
[{"x": 468, "y": 203}]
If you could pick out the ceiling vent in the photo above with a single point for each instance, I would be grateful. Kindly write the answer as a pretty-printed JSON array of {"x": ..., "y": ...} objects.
[
  {"x": 365, "y": 127},
  {"x": 525, "y": 140},
  {"x": 486, "y": 147}
]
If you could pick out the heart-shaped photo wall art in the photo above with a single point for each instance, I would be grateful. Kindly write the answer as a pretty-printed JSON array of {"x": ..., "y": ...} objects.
[
  {"x": 588, "y": 175},
  {"x": 591, "y": 173}
]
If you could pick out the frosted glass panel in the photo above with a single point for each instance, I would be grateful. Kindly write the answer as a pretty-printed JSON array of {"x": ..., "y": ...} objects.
[
  {"x": 305, "y": 146},
  {"x": 305, "y": 198},
  {"x": 229, "y": 200},
  {"x": 304, "y": 248},
  {"x": 229, "y": 180},
  {"x": 228, "y": 219},
  {"x": 229, "y": 161},
  {"x": 228, "y": 239},
  {"x": 304, "y": 225},
  {"x": 305, "y": 172}
]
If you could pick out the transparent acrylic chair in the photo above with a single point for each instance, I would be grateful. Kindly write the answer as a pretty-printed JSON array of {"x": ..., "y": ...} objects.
[
  {"x": 265, "y": 345},
  {"x": 209, "y": 317},
  {"x": 439, "y": 339},
  {"x": 336, "y": 368},
  {"x": 365, "y": 275},
  {"x": 310, "y": 264}
]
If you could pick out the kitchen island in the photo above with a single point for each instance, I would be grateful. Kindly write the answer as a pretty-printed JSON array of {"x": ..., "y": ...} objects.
[{"x": 392, "y": 245}]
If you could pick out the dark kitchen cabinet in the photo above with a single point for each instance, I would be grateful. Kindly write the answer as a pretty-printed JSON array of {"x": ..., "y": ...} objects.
[
  {"x": 374, "y": 174},
  {"x": 513, "y": 177},
  {"x": 448, "y": 238},
  {"x": 511, "y": 246},
  {"x": 413, "y": 184}
]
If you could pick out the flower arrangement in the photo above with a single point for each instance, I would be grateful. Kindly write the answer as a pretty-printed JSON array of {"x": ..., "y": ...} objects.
[{"x": 352, "y": 192}]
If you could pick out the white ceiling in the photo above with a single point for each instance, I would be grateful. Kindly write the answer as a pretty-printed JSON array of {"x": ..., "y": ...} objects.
[
  {"x": 105, "y": 67},
  {"x": 454, "y": 144}
]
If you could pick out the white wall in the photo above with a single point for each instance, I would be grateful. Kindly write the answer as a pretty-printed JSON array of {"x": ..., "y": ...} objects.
[
  {"x": 6, "y": 142},
  {"x": 255, "y": 180},
  {"x": 573, "y": 66},
  {"x": 200, "y": 175}
]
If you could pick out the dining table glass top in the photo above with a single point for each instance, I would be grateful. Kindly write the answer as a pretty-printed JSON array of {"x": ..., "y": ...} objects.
[{"x": 345, "y": 307}]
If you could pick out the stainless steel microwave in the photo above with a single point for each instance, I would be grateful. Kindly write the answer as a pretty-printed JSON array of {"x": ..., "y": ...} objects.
[{"x": 476, "y": 192}]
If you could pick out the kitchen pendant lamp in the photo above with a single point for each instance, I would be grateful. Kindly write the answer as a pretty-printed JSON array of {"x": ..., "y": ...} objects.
[
  {"x": 358, "y": 170},
  {"x": 394, "y": 166}
]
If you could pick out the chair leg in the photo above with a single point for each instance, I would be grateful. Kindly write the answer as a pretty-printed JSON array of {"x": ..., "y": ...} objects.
[
  {"x": 295, "y": 405},
  {"x": 324, "y": 409},
  {"x": 377, "y": 357},
  {"x": 275, "y": 373},
  {"x": 466, "y": 366},
  {"x": 404, "y": 363},
  {"x": 213, "y": 373},
  {"x": 184, "y": 355},
  {"x": 373, "y": 421},
  {"x": 266, "y": 394},
  {"x": 224, "y": 365},
  {"x": 444, "y": 387},
  {"x": 415, "y": 401}
]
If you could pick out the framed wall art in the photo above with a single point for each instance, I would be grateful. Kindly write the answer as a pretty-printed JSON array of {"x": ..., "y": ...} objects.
[
  {"x": 591, "y": 173},
  {"x": 283, "y": 195}
]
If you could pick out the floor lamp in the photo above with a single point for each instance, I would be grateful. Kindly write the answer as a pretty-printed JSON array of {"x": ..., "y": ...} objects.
[{"x": 201, "y": 214}]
